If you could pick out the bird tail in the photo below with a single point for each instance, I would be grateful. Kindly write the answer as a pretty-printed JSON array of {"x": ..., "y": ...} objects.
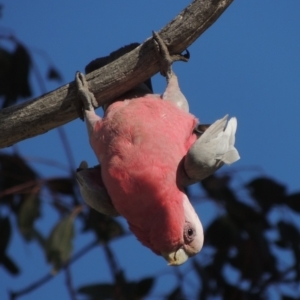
[{"x": 232, "y": 154}]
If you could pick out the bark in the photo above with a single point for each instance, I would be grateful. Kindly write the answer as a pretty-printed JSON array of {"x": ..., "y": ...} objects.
[{"x": 56, "y": 108}]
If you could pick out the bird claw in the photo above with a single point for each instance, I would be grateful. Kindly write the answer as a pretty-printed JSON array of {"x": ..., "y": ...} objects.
[
  {"x": 86, "y": 99},
  {"x": 165, "y": 58}
]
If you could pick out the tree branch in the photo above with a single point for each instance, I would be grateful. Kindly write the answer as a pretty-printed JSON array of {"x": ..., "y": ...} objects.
[{"x": 56, "y": 108}]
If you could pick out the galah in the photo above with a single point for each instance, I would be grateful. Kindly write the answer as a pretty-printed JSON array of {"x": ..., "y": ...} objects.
[{"x": 149, "y": 148}]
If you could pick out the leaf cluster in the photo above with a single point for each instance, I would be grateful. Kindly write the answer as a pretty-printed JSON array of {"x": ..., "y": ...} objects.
[
  {"x": 246, "y": 240},
  {"x": 16, "y": 66}
]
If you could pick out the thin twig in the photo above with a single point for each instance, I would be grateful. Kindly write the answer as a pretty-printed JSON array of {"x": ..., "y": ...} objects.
[
  {"x": 70, "y": 158},
  {"x": 67, "y": 148},
  {"x": 69, "y": 283},
  {"x": 115, "y": 270},
  {"x": 46, "y": 161},
  {"x": 38, "y": 76},
  {"x": 49, "y": 276},
  {"x": 120, "y": 281}
]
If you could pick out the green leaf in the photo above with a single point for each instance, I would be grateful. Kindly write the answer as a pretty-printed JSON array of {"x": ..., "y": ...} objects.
[
  {"x": 176, "y": 294},
  {"x": 218, "y": 188},
  {"x": 62, "y": 185},
  {"x": 5, "y": 66},
  {"x": 59, "y": 244},
  {"x": 130, "y": 290},
  {"x": 143, "y": 287},
  {"x": 282, "y": 244},
  {"x": 5, "y": 233},
  {"x": 266, "y": 192},
  {"x": 98, "y": 291},
  {"x": 16, "y": 79},
  {"x": 289, "y": 234},
  {"x": 254, "y": 259},
  {"x": 247, "y": 217},
  {"x": 9, "y": 264},
  {"x": 233, "y": 292},
  {"x": 288, "y": 298},
  {"x": 18, "y": 177},
  {"x": 22, "y": 65},
  {"x": 28, "y": 213},
  {"x": 105, "y": 227},
  {"x": 223, "y": 233},
  {"x": 293, "y": 201},
  {"x": 53, "y": 74}
]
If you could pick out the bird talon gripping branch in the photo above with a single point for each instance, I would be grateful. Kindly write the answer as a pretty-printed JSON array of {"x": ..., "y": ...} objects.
[
  {"x": 86, "y": 99},
  {"x": 165, "y": 58}
]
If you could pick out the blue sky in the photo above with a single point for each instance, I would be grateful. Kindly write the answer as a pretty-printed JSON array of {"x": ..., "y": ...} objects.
[{"x": 247, "y": 65}]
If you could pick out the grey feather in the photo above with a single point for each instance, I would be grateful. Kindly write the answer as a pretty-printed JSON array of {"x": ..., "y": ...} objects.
[
  {"x": 93, "y": 190},
  {"x": 213, "y": 149}
]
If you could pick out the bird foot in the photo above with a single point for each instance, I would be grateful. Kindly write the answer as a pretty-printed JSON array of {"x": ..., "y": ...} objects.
[
  {"x": 86, "y": 99},
  {"x": 165, "y": 58}
]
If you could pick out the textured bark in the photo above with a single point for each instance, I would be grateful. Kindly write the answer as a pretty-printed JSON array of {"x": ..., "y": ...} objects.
[{"x": 56, "y": 108}]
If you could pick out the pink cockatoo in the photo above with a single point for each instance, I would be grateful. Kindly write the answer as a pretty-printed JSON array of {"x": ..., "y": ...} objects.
[{"x": 150, "y": 147}]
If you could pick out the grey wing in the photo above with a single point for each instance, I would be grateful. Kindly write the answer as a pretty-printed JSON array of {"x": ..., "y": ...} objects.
[
  {"x": 93, "y": 189},
  {"x": 213, "y": 149}
]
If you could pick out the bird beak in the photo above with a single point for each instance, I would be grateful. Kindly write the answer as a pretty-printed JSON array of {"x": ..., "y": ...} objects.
[{"x": 176, "y": 258}]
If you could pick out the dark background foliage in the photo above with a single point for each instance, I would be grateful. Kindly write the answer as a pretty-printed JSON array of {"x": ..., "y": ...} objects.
[{"x": 243, "y": 239}]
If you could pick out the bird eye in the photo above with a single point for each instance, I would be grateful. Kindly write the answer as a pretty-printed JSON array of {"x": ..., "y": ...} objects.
[{"x": 190, "y": 232}]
